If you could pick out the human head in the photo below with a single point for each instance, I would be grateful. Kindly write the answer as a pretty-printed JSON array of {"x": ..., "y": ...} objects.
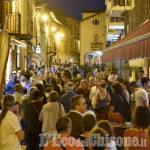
[
  {"x": 102, "y": 87},
  {"x": 17, "y": 108},
  {"x": 80, "y": 90},
  {"x": 53, "y": 96},
  {"x": 105, "y": 125},
  {"x": 79, "y": 76},
  {"x": 46, "y": 73},
  {"x": 40, "y": 87},
  {"x": 76, "y": 82},
  {"x": 122, "y": 83},
  {"x": 38, "y": 95},
  {"x": 95, "y": 146},
  {"x": 41, "y": 77},
  {"x": 8, "y": 104},
  {"x": 22, "y": 79},
  {"x": 145, "y": 82},
  {"x": 24, "y": 91},
  {"x": 117, "y": 88},
  {"x": 19, "y": 73},
  {"x": 97, "y": 81},
  {"x": 32, "y": 90},
  {"x": 112, "y": 76},
  {"x": 62, "y": 74},
  {"x": 141, "y": 118},
  {"x": 132, "y": 86},
  {"x": 78, "y": 103},
  {"x": 64, "y": 125},
  {"x": 141, "y": 74},
  {"x": 51, "y": 75},
  {"x": 18, "y": 88},
  {"x": 14, "y": 76},
  {"x": 69, "y": 87},
  {"x": 48, "y": 90},
  {"x": 88, "y": 122},
  {"x": 91, "y": 81},
  {"x": 26, "y": 77},
  {"x": 35, "y": 74},
  {"x": 85, "y": 85}
]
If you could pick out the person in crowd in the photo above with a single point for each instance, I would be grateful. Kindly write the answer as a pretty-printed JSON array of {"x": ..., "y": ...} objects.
[
  {"x": 47, "y": 92},
  {"x": 10, "y": 86},
  {"x": 76, "y": 82},
  {"x": 17, "y": 111},
  {"x": 19, "y": 75},
  {"x": 24, "y": 92},
  {"x": 119, "y": 107},
  {"x": 27, "y": 83},
  {"x": 65, "y": 99},
  {"x": 91, "y": 82},
  {"x": 102, "y": 102},
  {"x": 124, "y": 88},
  {"x": 141, "y": 75},
  {"x": 133, "y": 90},
  {"x": 46, "y": 78},
  {"x": 86, "y": 90},
  {"x": 94, "y": 90},
  {"x": 34, "y": 79},
  {"x": 41, "y": 88},
  {"x": 49, "y": 78},
  {"x": 98, "y": 144},
  {"x": 79, "y": 76},
  {"x": 80, "y": 91},
  {"x": 100, "y": 74},
  {"x": 88, "y": 123},
  {"x": 42, "y": 70},
  {"x": 22, "y": 81},
  {"x": 56, "y": 87},
  {"x": 11, "y": 132},
  {"x": 34, "y": 126},
  {"x": 64, "y": 127},
  {"x": 78, "y": 107},
  {"x": 142, "y": 95},
  {"x": 105, "y": 125},
  {"x": 18, "y": 91},
  {"x": 75, "y": 72},
  {"x": 112, "y": 78},
  {"x": 50, "y": 113},
  {"x": 42, "y": 81},
  {"x": 58, "y": 80},
  {"x": 140, "y": 124}
]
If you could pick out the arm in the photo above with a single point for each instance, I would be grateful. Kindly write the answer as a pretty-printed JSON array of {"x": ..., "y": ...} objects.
[
  {"x": 145, "y": 103},
  {"x": 7, "y": 87},
  {"x": 20, "y": 135}
]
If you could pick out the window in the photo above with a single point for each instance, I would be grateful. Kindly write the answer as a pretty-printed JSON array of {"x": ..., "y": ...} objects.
[{"x": 96, "y": 22}]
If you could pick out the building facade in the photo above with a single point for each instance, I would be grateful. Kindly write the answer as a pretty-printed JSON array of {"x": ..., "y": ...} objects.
[{"x": 93, "y": 32}]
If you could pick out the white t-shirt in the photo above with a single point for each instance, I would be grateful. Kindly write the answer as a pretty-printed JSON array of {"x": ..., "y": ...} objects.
[
  {"x": 141, "y": 96},
  {"x": 9, "y": 126}
]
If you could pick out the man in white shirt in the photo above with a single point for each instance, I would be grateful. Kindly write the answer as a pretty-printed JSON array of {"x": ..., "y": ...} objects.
[
  {"x": 94, "y": 90},
  {"x": 142, "y": 95}
]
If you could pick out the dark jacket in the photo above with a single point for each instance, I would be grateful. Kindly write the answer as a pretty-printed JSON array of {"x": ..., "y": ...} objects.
[
  {"x": 65, "y": 100},
  {"x": 76, "y": 119}
]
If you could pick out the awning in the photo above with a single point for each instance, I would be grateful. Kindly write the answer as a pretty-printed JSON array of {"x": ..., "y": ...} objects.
[{"x": 134, "y": 45}]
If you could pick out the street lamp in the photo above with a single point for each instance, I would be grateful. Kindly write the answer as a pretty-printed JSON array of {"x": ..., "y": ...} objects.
[{"x": 45, "y": 17}]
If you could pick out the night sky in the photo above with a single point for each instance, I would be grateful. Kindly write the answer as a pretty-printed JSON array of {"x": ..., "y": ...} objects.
[{"x": 74, "y": 7}]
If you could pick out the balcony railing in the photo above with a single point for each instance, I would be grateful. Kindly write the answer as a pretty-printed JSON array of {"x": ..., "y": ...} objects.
[
  {"x": 97, "y": 46},
  {"x": 137, "y": 16},
  {"x": 117, "y": 19},
  {"x": 13, "y": 23},
  {"x": 121, "y": 2}
]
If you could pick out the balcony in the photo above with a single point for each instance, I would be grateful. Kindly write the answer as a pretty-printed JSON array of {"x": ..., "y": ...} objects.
[
  {"x": 117, "y": 19},
  {"x": 137, "y": 16},
  {"x": 13, "y": 23},
  {"x": 97, "y": 46}
]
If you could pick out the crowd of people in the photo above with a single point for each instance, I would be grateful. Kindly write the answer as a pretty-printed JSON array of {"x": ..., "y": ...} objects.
[{"x": 67, "y": 103}]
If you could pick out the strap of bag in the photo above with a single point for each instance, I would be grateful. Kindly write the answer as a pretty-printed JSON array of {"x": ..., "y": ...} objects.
[
  {"x": 60, "y": 144},
  {"x": 35, "y": 108}
]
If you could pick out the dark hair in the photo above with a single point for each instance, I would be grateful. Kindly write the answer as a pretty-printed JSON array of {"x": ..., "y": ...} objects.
[
  {"x": 48, "y": 90},
  {"x": 88, "y": 122},
  {"x": 27, "y": 76},
  {"x": 104, "y": 124},
  {"x": 113, "y": 72},
  {"x": 105, "y": 79},
  {"x": 62, "y": 124},
  {"x": 103, "y": 85},
  {"x": 40, "y": 87},
  {"x": 141, "y": 71},
  {"x": 75, "y": 101},
  {"x": 53, "y": 81},
  {"x": 17, "y": 103},
  {"x": 117, "y": 88},
  {"x": 133, "y": 83},
  {"x": 141, "y": 118},
  {"x": 24, "y": 90},
  {"x": 120, "y": 80},
  {"x": 37, "y": 94},
  {"x": 96, "y": 146},
  {"x": 53, "y": 96},
  {"x": 144, "y": 80},
  {"x": 80, "y": 90},
  {"x": 8, "y": 102}
]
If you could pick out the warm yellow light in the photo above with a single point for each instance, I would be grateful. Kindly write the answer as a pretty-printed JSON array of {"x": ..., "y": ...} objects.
[
  {"x": 45, "y": 17},
  {"x": 57, "y": 36},
  {"x": 53, "y": 28},
  {"x": 62, "y": 35}
]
